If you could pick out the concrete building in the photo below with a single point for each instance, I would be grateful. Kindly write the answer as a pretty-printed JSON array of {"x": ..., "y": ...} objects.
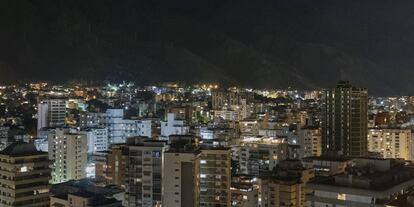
[
  {"x": 143, "y": 186},
  {"x": 25, "y": 175},
  {"x": 345, "y": 120},
  {"x": 309, "y": 140},
  {"x": 137, "y": 128},
  {"x": 326, "y": 165},
  {"x": 4, "y": 136},
  {"x": 119, "y": 129},
  {"x": 84, "y": 193},
  {"x": 213, "y": 187},
  {"x": 179, "y": 173},
  {"x": 368, "y": 182},
  {"x": 117, "y": 165},
  {"x": 216, "y": 136},
  {"x": 229, "y": 115},
  {"x": 249, "y": 127},
  {"x": 244, "y": 191},
  {"x": 97, "y": 139},
  {"x": 173, "y": 127},
  {"x": 259, "y": 155},
  {"x": 286, "y": 186},
  {"x": 51, "y": 113},
  {"x": 113, "y": 120},
  {"x": 391, "y": 143},
  {"x": 83, "y": 199},
  {"x": 68, "y": 150},
  {"x": 100, "y": 159},
  {"x": 88, "y": 119}
]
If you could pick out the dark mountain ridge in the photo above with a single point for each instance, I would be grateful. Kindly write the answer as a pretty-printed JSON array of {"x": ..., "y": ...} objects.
[{"x": 264, "y": 44}]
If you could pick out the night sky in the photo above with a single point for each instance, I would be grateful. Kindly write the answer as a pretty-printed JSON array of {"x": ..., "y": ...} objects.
[{"x": 267, "y": 43}]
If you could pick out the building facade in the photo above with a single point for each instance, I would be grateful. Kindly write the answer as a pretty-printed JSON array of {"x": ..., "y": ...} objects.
[
  {"x": 391, "y": 143},
  {"x": 180, "y": 174},
  {"x": 68, "y": 150},
  {"x": 213, "y": 187},
  {"x": 345, "y": 120},
  {"x": 309, "y": 140},
  {"x": 143, "y": 188},
  {"x": 25, "y": 175},
  {"x": 51, "y": 113},
  {"x": 173, "y": 126}
]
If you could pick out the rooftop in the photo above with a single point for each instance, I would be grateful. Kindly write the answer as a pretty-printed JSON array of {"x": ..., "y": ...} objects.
[
  {"x": 20, "y": 149},
  {"x": 377, "y": 178},
  {"x": 328, "y": 158}
]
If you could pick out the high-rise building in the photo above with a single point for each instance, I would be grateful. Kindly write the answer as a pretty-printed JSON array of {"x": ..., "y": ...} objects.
[
  {"x": 25, "y": 175},
  {"x": 390, "y": 143},
  {"x": 143, "y": 187},
  {"x": 214, "y": 179},
  {"x": 68, "y": 150},
  {"x": 114, "y": 122},
  {"x": 51, "y": 113},
  {"x": 309, "y": 141},
  {"x": 345, "y": 120},
  {"x": 179, "y": 173},
  {"x": 117, "y": 163}
]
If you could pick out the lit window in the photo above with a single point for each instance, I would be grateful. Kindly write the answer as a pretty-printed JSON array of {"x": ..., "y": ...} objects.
[
  {"x": 24, "y": 169},
  {"x": 342, "y": 196}
]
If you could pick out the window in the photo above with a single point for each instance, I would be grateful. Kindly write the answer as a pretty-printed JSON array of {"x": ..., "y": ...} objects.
[{"x": 341, "y": 196}]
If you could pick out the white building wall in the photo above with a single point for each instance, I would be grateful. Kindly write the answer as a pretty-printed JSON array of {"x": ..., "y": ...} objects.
[
  {"x": 173, "y": 127},
  {"x": 68, "y": 150},
  {"x": 97, "y": 139}
]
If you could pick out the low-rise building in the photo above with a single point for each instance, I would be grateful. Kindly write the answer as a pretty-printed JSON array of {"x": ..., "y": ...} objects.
[
  {"x": 367, "y": 182},
  {"x": 326, "y": 165}
]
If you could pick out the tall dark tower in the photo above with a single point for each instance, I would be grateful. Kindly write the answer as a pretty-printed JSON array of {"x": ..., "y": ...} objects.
[{"x": 344, "y": 120}]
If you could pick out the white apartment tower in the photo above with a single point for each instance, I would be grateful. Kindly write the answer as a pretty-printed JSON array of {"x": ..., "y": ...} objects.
[
  {"x": 68, "y": 151},
  {"x": 114, "y": 122}
]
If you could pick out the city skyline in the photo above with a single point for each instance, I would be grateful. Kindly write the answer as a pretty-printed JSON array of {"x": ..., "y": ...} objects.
[{"x": 206, "y": 103}]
